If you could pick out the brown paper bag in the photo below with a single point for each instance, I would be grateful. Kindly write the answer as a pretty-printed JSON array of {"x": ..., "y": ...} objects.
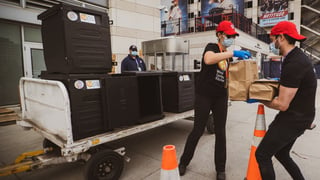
[
  {"x": 264, "y": 89},
  {"x": 241, "y": 75}
]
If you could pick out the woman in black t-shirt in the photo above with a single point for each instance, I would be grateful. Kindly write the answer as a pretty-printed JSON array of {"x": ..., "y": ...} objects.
[{"x": 212, "y": 95}]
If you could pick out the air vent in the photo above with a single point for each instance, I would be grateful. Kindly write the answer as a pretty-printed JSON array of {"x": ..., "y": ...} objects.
[{"x": 43, "y": 4}]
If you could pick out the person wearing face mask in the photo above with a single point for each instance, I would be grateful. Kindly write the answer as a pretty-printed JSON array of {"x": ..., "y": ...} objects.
[
  {"x": 273, "y": 48},
  {"x": 296, "y": 103},
  {"x": 212, "y": 95},
  {"x": 133, "y": 62}
]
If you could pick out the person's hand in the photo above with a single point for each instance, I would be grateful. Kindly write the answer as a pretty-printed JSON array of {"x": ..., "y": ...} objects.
[
  {"x": 252, "y": 101},
  {"x": 242, "y": 54}
]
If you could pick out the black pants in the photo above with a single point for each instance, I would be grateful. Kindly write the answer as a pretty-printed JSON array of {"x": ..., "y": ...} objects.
[
  {"x": 278, "y": 142},
  {"x": 219, "y": 107}
]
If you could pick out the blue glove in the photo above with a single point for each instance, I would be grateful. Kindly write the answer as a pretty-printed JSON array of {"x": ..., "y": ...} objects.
[
  {"x": 276, "y": 79},
  {"x": 242, "y": 54},
  {"x": 252, "y": 101}
]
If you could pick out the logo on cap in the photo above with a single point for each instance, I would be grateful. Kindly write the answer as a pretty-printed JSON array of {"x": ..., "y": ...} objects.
[
  {"x": 133, "y": 47},
  {"x": 227, "y": 27}
]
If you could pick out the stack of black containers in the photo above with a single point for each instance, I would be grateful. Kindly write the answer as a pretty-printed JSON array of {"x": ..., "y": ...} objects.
[{"x": 77, "y": 51}]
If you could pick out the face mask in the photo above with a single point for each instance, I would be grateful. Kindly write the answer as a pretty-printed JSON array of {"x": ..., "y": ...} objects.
[
  {"x": 227, "y": 42},
  {"x": 134, "y": 53},
  {"x": 273, "y": 48}
]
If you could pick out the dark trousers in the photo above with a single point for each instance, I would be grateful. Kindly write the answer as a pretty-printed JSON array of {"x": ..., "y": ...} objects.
[
  {"x": 278, "y": 142},
  {"x": 219, "y": 107}
]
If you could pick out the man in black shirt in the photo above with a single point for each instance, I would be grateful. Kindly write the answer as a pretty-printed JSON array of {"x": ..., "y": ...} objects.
[
  {"x": 133, "y": 62},
  {"x": 296, "y": 103}
]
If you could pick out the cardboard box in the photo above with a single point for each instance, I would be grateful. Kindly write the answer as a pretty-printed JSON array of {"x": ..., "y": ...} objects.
[{"x": 264, "y": 89}]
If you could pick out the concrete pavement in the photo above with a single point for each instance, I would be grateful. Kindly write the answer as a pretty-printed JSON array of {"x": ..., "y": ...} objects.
[{"x": 145, "y": 150}]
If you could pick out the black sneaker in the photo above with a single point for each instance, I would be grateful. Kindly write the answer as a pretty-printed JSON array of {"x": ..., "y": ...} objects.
[
  {"x": 182, "y": 169},
  {"x": 221, "y": 175}
]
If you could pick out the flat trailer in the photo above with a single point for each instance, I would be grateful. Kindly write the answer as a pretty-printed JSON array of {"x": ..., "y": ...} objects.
[{"x": 45, "y": 108}]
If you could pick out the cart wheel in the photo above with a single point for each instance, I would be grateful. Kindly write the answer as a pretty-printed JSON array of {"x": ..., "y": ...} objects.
[
  {"x": 210, "y": 124},
  {"x": 47, "y": 143},
  {"x": 104, "y": 165}
]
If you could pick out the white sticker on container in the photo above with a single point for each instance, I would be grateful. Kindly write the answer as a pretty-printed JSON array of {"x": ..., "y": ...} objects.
[
  {"x": 72, "y": 16},
  {"x": 186, "y": 77},
  {"x": 87, "y": 18},
  {"x": 180, "y": 78},
  {"x": 78, "y": 84},
  {"x": 93, "y": 84}
]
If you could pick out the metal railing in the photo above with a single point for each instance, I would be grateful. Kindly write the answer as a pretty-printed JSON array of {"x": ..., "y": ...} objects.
[
  {"x": 311, "y": 3},
  {"x": 313, "y": 53},
  {"x": 210, "y": 22}
]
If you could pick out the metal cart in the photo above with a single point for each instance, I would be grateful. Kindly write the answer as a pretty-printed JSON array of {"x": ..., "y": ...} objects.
[{"x": 46, "y": 109}]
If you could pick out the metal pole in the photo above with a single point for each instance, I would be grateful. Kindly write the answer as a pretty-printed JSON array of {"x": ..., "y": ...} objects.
[
  {"x": 174, "y": 61},
  {"x": 155, "y": 61},
  {"x": 23, "y": 3},
  {"x": 182, "y": 62}
]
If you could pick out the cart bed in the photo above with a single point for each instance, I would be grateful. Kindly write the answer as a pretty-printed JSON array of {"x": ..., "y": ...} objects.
[{"x": 46, "y": 108}]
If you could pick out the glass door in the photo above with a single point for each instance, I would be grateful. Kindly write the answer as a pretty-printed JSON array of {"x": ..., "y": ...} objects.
[
  {"x": 11, "y": 66},
  {"x": 34, "y": 60}
]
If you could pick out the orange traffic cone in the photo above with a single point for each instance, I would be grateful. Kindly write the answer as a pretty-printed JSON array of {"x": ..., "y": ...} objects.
[
  {"x": 169, "y": 166},
  {"x": 253, "y": 172}
]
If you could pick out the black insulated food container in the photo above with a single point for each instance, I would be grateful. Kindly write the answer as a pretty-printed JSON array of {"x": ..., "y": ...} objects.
[
  {"x": 89, "y": 115},
  {"x": 76, "y": 40},
  {"x": 177, "y": 91},
  {"x": 150, "y": 95},
  {"x": 123, "y": 100}
]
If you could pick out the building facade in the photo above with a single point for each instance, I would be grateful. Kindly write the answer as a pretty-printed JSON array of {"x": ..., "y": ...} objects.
[{"x": 305, "y": 14}]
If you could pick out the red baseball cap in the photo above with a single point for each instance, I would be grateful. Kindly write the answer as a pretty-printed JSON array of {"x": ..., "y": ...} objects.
[
  {"x": 288, "y": 28},
  {"x": 227, "y": 27}
]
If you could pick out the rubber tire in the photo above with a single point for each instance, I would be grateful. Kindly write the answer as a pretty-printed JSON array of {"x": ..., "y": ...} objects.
[
  {"x": 47, "y": 143},
  {"x": 109, "y": 160},
  {"x": 210, "y": 124}
]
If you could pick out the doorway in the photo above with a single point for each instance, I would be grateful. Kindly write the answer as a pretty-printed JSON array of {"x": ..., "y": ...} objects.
[{"x": 33, "y": 59}]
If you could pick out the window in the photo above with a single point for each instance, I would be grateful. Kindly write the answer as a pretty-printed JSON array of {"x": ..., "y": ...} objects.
[
  {"x": 190, "y": 1},
  {"x": 260, "y": 2},
  {"x": 32, "y": 34},
  {"x": 248, "y": 4},
  {"x": 11, "y": 68},
  {"x": 291, "y": 16},
  {"x": 190, "y": 15}
]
